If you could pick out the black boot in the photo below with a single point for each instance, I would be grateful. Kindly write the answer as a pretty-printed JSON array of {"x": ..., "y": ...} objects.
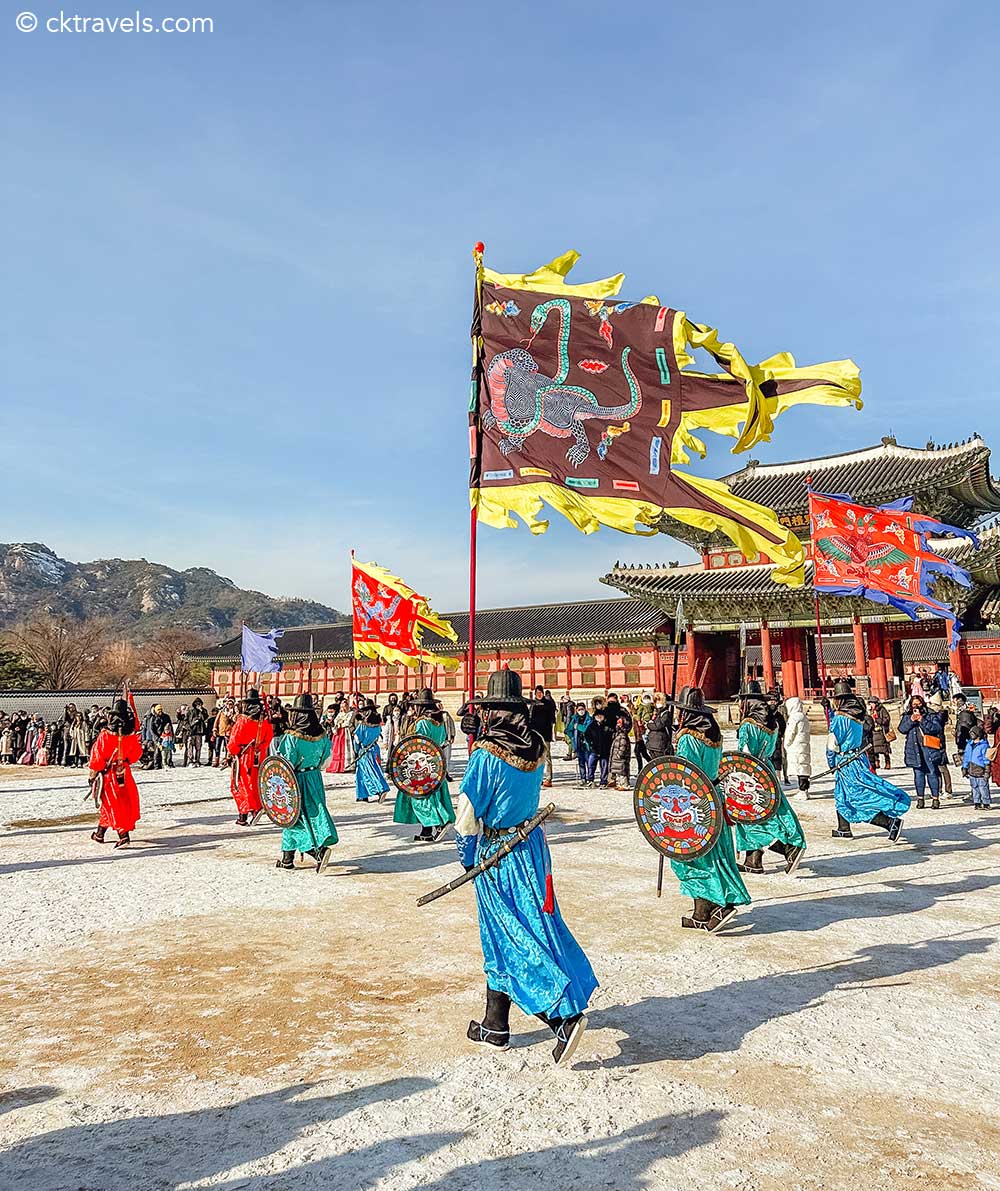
[
  {"x": 920, "y": 804},
  {"x": 843, "y": 828},
  {"x": 98, "y": 835},
  {"x": 426, "y": 836},
  {"x": 123, "y": 840},
  {"x": 287, "y": 860},
  {"x": 322, "y": 857},
  {"x": 568, "y": 1032},
  {"x": 935, "y": 804},
  {"x": 719, "y": 916},
  {"x": 893, "y": 826},
  {"x": 494, "y": 1029},
  {"x": 242, "y": 820},
  {"x": 752, "y": 862},
  {"x": 700, "y": 916}
]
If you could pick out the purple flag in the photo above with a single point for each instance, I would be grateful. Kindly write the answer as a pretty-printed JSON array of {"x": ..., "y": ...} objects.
[{"x": 258, "y": 654}]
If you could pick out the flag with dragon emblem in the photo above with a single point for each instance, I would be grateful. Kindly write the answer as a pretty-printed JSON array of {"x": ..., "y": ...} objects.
[
  {"x": 588, "y": 403},
  {"x": 882, "y": 554},
  {"x": 389, "y": 619}
]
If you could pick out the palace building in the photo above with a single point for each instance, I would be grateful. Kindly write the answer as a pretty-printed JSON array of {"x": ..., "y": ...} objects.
[
  {"x": 875, "y": 644},
  {"x": 626, "y": 644}
]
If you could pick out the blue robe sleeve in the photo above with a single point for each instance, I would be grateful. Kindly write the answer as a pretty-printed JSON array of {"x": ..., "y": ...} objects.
[{"x": 471, "y": 788}]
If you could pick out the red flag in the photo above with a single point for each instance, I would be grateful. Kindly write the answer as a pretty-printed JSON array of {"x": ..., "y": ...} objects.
[
  {"x": 389, "y": 618},
  {"x": 881, "y": 554}
]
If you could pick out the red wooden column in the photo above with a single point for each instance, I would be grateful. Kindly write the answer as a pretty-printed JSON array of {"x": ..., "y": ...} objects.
[
  {"x": 533, "y": 678},
  {"x": 958, "y": 660},
  {"x": 792, "y": 674},
  {"x": 607, "y": 667},
  {"x": 569, "y": 666},
  {"x": 876, "y": 661},
  {"x": 691, "y": 651},
  {"x": 860, "y": 666},
  {"x": 765, "y": 654}
]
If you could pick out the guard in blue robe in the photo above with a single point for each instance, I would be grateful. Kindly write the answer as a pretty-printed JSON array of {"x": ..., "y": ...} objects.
[
  {"x": 369, "y": 780},
  {"x": 781, "y": 832},
  {"x": 860, "y": 795},
  {"x": 712, "y": 880},
  {"x": 530, "y": 956}
]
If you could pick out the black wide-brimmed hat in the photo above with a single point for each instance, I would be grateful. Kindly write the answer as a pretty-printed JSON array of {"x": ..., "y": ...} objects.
[
  {"x": 842, "y": 689},
  {"x": 503, "y": 692},
  {"x": 691, "y": 698},
  {"x": 303, "y": 703},
  {"x": 425, "y": 698},
  {"x": 253, "y": 698}
]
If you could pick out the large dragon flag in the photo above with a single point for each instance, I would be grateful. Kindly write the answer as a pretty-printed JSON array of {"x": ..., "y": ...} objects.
[
  {"x": 587, "y": 404},
  {"x": 390, "y": 617},
  {"x": 881, "y": 554}
]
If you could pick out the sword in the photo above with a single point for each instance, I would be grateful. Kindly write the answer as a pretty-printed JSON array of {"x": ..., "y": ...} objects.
[
  {"x": 92, "y": 790},
  {"x": 519, "y": 836},
  {"x": 846, "y": 761}
]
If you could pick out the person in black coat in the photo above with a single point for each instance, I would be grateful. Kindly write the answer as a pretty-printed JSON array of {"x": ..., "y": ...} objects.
[
  {"x": 658, "y": 731},
  {"x": 599, "y": 735},
  {"x": 542, "y": 712},
  {"x": 924, "y": 752},
  {"x": 965, "y": 721}
]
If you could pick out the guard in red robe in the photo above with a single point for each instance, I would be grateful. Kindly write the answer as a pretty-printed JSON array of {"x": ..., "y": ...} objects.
[
  {"x": 115, "y": 751},
  {"x": 249, "y": 743}
]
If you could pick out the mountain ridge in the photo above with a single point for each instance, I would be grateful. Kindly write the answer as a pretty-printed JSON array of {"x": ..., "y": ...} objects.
[{"x": 138, "y": 597}]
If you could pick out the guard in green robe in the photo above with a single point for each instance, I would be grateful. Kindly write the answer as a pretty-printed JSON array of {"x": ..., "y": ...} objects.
[
  {"x": 306, "y": 747},
  {"x": 781, "y": 832},
  {"x": 436, "y": 811},
  {"x": 712, "y": 880}
]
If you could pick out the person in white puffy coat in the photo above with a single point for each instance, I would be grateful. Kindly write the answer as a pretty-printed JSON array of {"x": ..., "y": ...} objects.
[{"x": 797, "y": 750}]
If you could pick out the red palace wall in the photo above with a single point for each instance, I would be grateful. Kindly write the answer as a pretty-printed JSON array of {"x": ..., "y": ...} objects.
[
  {"x": 598, "y": 668},
  {"x": 711, "y": 657}
]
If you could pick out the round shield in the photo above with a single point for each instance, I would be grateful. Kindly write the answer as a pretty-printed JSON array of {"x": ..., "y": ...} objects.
[
  {"x": 416, "y": 766},
  {"x": 749, "y": 787},
  {"x": 279, "y": 791},
  {"x": 678, "y": 808}
]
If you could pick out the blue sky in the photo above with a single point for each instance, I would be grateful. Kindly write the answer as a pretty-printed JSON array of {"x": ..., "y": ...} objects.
[{"x": 238, "y": 269}]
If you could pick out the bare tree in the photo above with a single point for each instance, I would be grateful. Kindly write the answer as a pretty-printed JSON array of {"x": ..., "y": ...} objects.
[
  {"x": 119, "y": 659},
  {"x": 64, "y": 652},
  {"x": 164, "y": 657}
]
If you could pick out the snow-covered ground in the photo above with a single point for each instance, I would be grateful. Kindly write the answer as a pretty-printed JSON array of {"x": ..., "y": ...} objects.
[{"x": 184, "y": 1015}]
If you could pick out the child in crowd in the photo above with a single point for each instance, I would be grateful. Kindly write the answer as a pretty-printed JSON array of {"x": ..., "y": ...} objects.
[
  {"x": 976, "y": 764},
  {"x": 167, "y": 747}
]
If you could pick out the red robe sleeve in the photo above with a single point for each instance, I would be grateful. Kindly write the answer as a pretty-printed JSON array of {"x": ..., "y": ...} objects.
[
  {"x": 100, "y": 752},
  {"x": 243, "y": 732}
]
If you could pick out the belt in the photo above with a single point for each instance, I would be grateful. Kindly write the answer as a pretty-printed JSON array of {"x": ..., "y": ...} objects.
[
  {"x": 492, "y": 833},
  {"x": 308, "y": 768}
]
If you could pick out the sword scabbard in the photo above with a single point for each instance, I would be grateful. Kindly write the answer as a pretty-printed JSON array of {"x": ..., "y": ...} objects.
[{"x": 519, "y": 837}]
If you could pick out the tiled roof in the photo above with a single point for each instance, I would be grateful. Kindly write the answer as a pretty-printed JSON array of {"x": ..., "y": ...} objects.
[
  {"x": 751, "y": 589},
  {"x": 873, "y": 474},
  {"x": 585, "y": 621}
]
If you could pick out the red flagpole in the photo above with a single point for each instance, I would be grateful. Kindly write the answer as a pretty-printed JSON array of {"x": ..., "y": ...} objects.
[
  {"x": 819, "y": 647},
  {"x": 475, "y": 451},
  {"x": 471, "y": 662},
  {"x": 819, "y": 630}
]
